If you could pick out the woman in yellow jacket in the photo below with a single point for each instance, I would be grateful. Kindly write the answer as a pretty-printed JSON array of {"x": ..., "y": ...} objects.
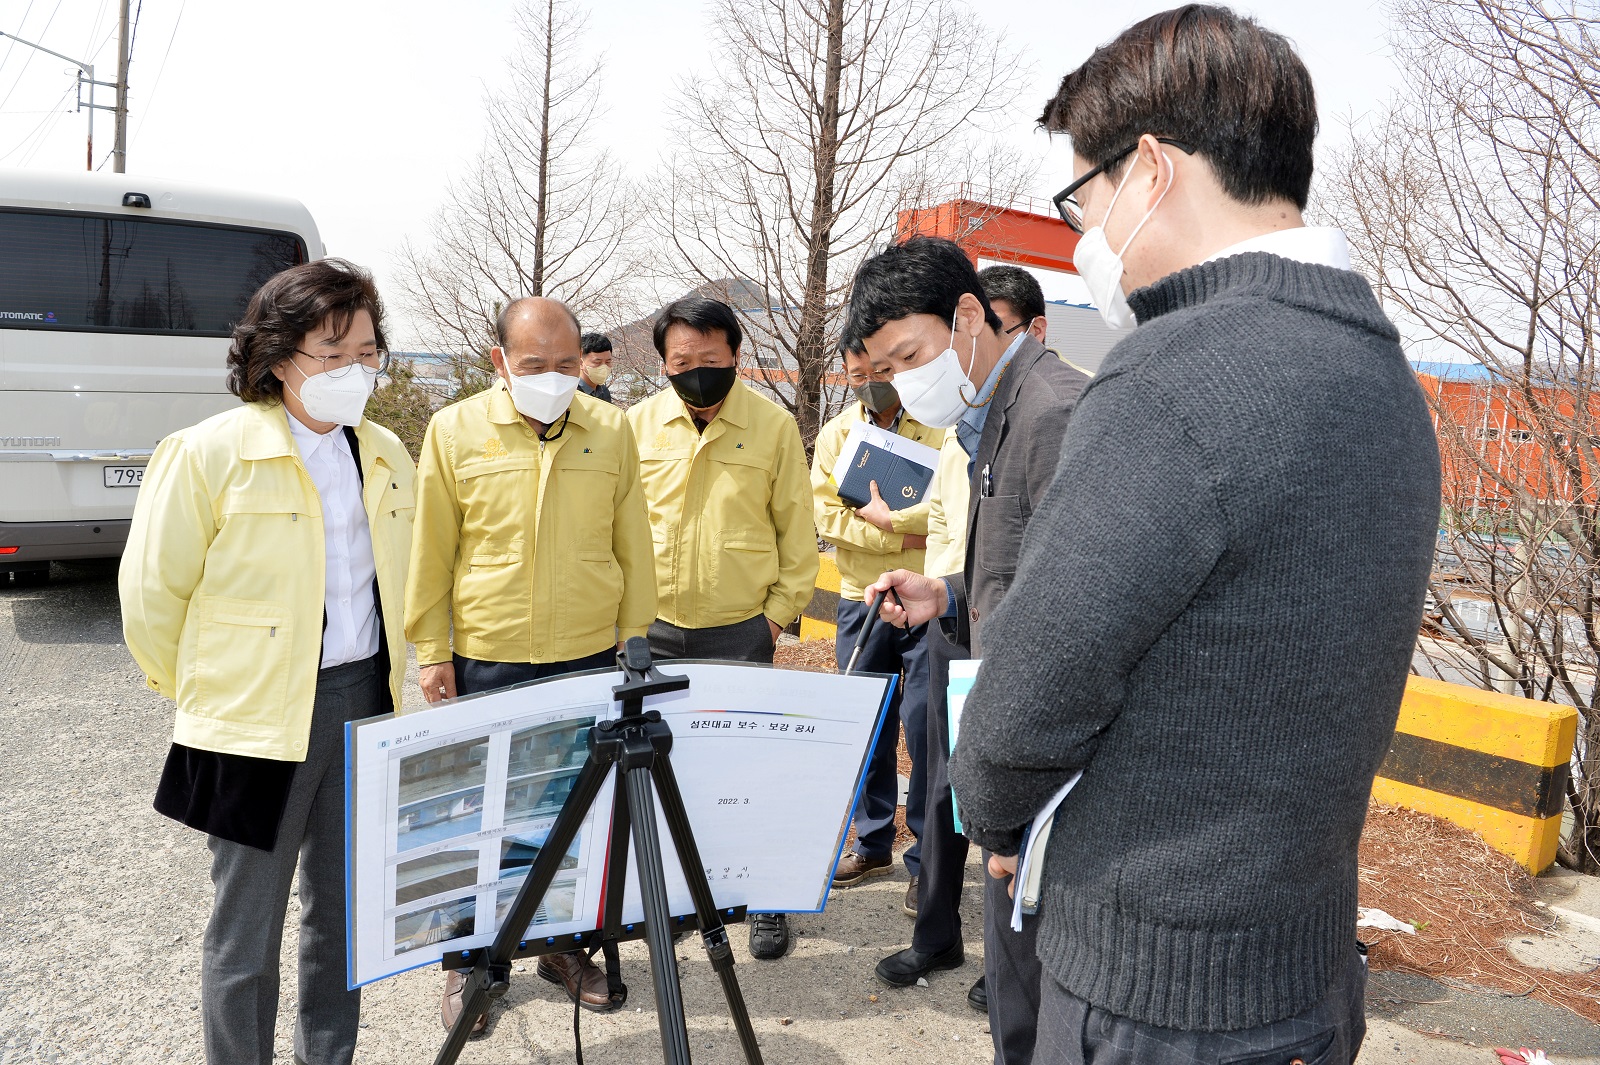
[{"x": 262, "y": 590}]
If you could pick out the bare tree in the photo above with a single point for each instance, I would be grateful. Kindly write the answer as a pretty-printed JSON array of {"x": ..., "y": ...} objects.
[
  {"x": 540, "y": 213},
  {"x": 822, "y": 119},
  {"x": 1474, "y": 205}
]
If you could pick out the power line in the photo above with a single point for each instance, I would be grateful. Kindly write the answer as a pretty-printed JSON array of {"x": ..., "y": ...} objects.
[
  {"x": 12, "y": 45},
  {"x": 31, "y": 53},
  {"x": 151, "y": 95}
]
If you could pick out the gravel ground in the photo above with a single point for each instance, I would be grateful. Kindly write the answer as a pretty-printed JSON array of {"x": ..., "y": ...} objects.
[{"x": 104, "y": 902}]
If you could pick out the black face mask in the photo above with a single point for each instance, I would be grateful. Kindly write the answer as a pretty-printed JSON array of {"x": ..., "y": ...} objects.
[
  {"x": 877, "y": 396},
  {"x": 704, "y": 386}
]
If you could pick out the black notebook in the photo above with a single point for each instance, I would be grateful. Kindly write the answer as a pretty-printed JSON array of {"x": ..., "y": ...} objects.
[{"x": 901, "y": 482}]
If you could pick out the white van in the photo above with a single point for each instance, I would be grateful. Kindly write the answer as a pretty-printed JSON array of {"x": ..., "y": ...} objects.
[{"x": 118, "y": 294}]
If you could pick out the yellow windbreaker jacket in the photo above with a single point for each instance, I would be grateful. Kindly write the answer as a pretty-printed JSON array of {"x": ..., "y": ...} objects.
[
  {"x": 539, "y": 550},
  {"x": 222, "y": 581},
  {"x": 730, "y": 511},
  {"x": 865, "y": 551},
  {"x": 947, "y": 511}
]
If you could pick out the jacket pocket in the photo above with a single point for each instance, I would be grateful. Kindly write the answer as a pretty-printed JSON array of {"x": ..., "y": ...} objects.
[
  {"x": 998, "y": 531},
  {"x": 745, "y": 566},
  {"x": 242, "y": 657},
  {"x": 1318, "y": 1050},
  {"x": 491, "y": 593},
  {"x": 594, "y": 591}
]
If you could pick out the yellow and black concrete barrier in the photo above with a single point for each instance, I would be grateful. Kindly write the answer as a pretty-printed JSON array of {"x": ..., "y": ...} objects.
[
  {"x": 1491, "y": 763},
  {"x": 820, "y": 621}
]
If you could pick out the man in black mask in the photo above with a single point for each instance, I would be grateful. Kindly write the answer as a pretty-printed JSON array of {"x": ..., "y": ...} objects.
[
  {"x": 724, "y": 477},
  {"x": 868, "y": 541}
]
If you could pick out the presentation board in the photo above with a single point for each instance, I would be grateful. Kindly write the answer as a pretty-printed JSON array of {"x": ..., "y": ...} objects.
[{"x": 448, "y": 807}]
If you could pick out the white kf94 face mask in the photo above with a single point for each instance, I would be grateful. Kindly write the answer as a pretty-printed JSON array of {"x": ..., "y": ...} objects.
[
  {"x": 341, "y": 400},
  {"x": 939, "y": 391},
  {"x": 1101, "y": 268},
  {"x": 544, "y": 397}
]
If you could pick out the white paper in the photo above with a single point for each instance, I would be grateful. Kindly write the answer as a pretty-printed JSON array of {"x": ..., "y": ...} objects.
[
  {"x": 864, "y": 432},
  {"x": 1033, "y": 853},
  {"x": 446, "y": 809},
  {"x": 768, "y": 762}
]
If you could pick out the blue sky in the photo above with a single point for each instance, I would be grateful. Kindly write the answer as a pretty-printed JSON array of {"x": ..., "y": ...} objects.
[{"x": 364, "y": 109}]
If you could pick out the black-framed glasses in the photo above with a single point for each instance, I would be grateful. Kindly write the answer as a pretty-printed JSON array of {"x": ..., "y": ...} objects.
[
  {"x": 1020, "y": 325},
  {"x": 336, "y": 366},
  {"x": 1067, "y": 205}
]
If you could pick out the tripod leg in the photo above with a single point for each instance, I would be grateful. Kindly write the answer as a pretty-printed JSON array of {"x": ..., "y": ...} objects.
[
  {"x": 712, "y": 932},
  {"x": 490, "y": 974},
  {"x": 657, "y": 917}
]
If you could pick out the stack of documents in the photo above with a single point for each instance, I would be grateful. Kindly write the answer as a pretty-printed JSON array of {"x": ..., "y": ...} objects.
[
  {"x": 903, "y": 468},
  {"x": 1027, "y": 885}
]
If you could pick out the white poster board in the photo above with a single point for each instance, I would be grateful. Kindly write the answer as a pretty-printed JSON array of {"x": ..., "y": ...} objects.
[{"x": 447, "y": 807}]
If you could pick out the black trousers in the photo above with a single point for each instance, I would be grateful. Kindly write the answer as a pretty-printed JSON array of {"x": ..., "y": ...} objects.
[
  {"x": 944, "y": 853},
  {"x": 1011, "y": 973},
  {"x": 746, "y": 641},
  {"x": 1072, "y": 1032},
  {"x": 475, "y": 676}
]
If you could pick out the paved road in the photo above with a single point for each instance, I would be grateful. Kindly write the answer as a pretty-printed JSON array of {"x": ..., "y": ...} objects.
[{"x": 104, "y": 902}]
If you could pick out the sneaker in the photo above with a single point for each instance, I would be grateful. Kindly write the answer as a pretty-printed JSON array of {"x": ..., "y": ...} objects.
[
  {"x": 854, "y": 868},
  {"x": 910, "y": 905},
  {"x": 769, "y": 935}
]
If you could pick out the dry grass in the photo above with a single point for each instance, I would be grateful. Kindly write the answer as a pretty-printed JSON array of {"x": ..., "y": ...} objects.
[{"x": 1465, "y": 899}]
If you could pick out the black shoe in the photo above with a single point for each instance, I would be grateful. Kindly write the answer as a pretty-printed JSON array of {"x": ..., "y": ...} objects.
[
  {"x": 769, "y": 935},
  {"x": 978, "y": 997},
  {"x": 910, "y": 965}
]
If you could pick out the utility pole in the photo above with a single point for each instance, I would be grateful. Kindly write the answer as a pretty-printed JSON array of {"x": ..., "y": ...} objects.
[
  {"x": 86, "y": 75},
  {"x": 119, "y": 152}
]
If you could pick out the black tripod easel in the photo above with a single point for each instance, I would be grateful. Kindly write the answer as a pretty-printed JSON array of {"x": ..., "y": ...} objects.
[{"x": 637, "y": 744}]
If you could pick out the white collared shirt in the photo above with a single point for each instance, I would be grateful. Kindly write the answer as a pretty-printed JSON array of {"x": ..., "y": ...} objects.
[
  {"x": 1318, "y": 245},
  {"x": 351, "y": 609}
]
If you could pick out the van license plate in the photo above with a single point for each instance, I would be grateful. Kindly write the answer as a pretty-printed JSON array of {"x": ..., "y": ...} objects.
[{"x": 124, "y": 476}]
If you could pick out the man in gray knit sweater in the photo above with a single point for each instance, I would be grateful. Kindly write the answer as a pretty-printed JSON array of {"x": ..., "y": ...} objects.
[{"x": 1218, "y": 597}]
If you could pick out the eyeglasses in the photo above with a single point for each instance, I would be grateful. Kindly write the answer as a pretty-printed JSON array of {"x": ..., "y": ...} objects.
[
  {"x": 336, "y": 366},
  {"x": 1020, "y": 325},
  {"x": 858, "y": 379},
  {"x": 1067, "y": 205}
]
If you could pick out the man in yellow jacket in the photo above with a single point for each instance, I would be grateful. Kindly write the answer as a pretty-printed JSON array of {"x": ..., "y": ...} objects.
[
  {"x": 730, "y": 510},
  {"x": 869, "y": 541},
  {"x": 532, "y": 550}
]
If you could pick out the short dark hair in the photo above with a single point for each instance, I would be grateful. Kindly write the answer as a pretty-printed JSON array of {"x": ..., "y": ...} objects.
[
  {"x": 503, "y": 319},
  {"x": 1017, "y": 287},
  {"x": 593, "y": 342},
  {"x": 1202, "y": 75},
  {"x": 923, "y": 275},
  {"x": 288, "y": 307},
  {"x": 700, "y": 314}
]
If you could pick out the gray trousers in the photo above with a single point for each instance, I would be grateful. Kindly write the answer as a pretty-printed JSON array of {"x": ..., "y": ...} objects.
[
  {"x": 747, "y": 641},
  {"x": 239, "y": 967},
  {"x": 1012, "y": 976},
  {"x": 1072, "y": 1032}
]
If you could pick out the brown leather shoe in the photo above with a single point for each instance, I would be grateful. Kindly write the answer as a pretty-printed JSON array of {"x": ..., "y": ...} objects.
[
  {"x": 854, "y": 868},
  {"x": 455, "y": 983},
  {"x": 910, "y": 904},
  {"x": 582, "y": 978}
]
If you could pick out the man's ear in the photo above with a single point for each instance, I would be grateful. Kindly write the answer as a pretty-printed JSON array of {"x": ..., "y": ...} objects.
[
  {"x": 1040, "y": 328},
  {"x": 497, "y": 358},
  {"x": 1155, "y": 174},
  {"x": 969, "y": 316}
]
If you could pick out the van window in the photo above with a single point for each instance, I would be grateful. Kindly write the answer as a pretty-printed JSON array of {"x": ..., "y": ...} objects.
[{"x": 94, "y": 273}]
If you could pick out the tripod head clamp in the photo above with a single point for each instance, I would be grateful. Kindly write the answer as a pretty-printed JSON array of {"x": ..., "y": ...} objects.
[{"x": 643, "y": 679}]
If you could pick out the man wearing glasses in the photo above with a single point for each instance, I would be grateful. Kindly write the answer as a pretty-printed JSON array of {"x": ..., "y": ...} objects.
[
  {"x": 532, "y": 555},
  {"x": 868, "y": 541}
]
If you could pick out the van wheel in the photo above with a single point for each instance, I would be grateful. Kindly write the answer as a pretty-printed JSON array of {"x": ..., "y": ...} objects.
[{"x": 25, "y": 574}]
